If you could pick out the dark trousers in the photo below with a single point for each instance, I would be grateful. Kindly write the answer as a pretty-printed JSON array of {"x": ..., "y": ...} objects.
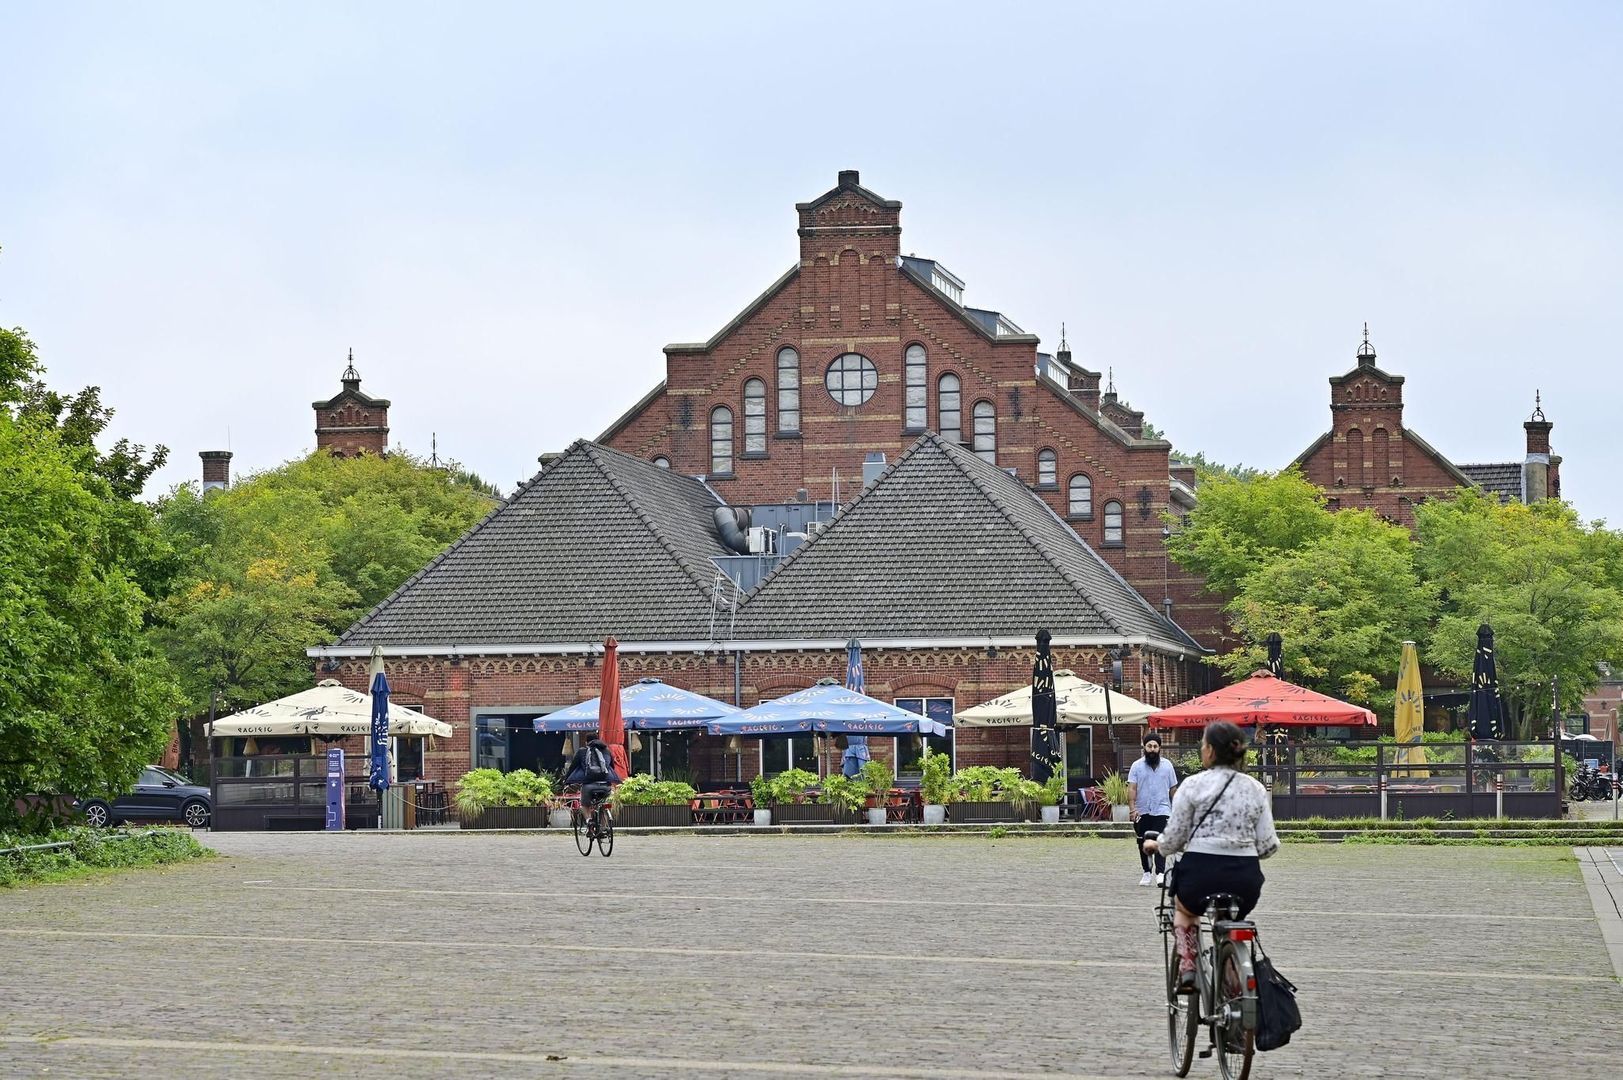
[{"x": 1149, "y": 823}]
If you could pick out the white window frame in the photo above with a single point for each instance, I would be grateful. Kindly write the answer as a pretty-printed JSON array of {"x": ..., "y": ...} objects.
[
  {"x": 954, "y": 433},
  {"x": 1070, "y": 496},
  {"x": 985, "y": 442},
  {"x": 714, "y": 440},
  {"x": 788, "y": 390},
  {"x": 1047, "y": 467},
  {"x": 1120, "y": 539},
  {"x": 754, "y": 417},
  {"x": 916, "y": 388}
]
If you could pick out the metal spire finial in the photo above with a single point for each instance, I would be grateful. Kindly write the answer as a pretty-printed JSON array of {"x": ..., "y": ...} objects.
[
  {"x": 1538, "y": 408},
  {"x": 434, "y": 450},
  {"x": 1110, "y": 387},
  {"x": 1366, "y": 351},
  {"x": 350, "y": 374},
  {"x": 1063, "y": 347}
]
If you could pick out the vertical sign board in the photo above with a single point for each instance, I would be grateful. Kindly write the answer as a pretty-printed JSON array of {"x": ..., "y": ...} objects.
[{"x": 335, "y": 788}]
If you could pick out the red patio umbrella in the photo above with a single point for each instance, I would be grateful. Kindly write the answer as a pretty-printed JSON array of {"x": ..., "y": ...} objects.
[
  {"x": 1264, "y": 699},
  {"x": 611, "y": 726}
]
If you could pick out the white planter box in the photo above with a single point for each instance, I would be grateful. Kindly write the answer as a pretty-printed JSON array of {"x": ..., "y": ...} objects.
[
  {"x": 763, "y": 817},
  {"x": 560, "y": 819},
  {"x": 1121, "y": 813},
  {"x": 1050, "y": 815},
  {"x": 935, "y": 815},
  {"x": 876, "y": 815}
]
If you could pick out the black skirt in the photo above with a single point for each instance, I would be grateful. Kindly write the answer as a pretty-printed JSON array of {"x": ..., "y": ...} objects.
[{"x": 1198, "y": 876}]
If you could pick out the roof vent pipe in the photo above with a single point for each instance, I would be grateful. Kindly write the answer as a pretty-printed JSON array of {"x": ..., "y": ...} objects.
[{"x": 731, "y": 523}]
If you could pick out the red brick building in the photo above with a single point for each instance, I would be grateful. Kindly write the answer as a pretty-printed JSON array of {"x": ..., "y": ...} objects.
[
  {"x": 351, "y": 423},
  {"x": 1371, "y": 460},
  {"x": 858, "y": 349}
]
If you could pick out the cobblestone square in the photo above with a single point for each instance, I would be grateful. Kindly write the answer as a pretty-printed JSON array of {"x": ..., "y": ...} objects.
[{"x": 967, "y": 956}]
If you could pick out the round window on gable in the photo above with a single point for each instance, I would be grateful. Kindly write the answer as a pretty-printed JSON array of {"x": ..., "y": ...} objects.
[{"x": 852, "y": 379}]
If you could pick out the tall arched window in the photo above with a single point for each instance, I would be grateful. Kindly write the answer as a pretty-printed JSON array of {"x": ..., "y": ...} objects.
[
  {"x": 754, "y": 416},
  {"x": 1081, "y": 496},
  {"x": 916, "y": 411},
  {"x": 986, "y": 431},
  {"x": 721, "y": 441},
  {"x": 1113, "y": 530},
  {"x": 1047, "y": 468},
  {"x": 950, "y": 409},
  {"x": 788, "y": 389}
]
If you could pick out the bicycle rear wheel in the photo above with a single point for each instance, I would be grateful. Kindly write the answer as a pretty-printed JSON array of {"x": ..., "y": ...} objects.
[
  {"x": 583, "y": 833},
  {"x": 605, "y": 832},
  {"x": 1181, "y": 1019},
  {"x": 1236, "y": 1029}
]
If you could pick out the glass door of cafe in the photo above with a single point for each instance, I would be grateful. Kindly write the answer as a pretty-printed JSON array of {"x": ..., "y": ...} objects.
[{"x": 1078, "y": 757}]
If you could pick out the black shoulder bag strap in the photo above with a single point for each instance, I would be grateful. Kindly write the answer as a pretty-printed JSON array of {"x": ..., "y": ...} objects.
[{"x": 1212, "y": 805}]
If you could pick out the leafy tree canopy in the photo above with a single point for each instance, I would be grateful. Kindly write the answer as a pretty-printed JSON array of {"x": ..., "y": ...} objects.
[{"x": 1240, "y": 525}]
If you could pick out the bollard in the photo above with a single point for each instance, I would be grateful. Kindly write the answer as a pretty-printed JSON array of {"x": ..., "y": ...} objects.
[
  {"x": 1380, "y": 785},
  {"x": 1499, "y": 795}
]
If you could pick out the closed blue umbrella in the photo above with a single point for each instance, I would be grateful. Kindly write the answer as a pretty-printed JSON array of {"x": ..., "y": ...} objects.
[
  {"x": 856, "y": 746},
  {"x": 379, "y": 778}
]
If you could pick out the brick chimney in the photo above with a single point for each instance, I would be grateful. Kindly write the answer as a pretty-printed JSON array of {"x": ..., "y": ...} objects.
[
  {"x": 1539, "y": 477},
  {"x": 1085, "y": 386},
  {"x": 216, "y": 469}
]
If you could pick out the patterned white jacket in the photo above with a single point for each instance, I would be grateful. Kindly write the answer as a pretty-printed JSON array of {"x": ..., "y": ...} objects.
[{"x": 1241, "y": 821}]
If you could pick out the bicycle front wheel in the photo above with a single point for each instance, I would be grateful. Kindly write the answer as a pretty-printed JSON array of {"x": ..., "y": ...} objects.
[
  {"x": 605, "y": 833},
  {"x": 1181, "y": 1018},
  {"x": 583, "y": 833},
  {"x": 1235, "y": 1018}
]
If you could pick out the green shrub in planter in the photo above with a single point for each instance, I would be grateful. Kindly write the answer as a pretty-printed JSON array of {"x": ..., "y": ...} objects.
[
  {"x": 1114, "y": 788},
  {"x": 478, "y": 789},
  {"x": 984, "y": 783},
  {"x": 525, "y": 788},
  {"x": 843, "y": 793},
  {"x": 935, "y": 779},
  {"x": 877, "y": 779},
  {"x": 1048, "y": 793},
  {"x": 643, "y": 790},
  {"x": 761, "y": 791},
  {"x": 791, "y": 785}
]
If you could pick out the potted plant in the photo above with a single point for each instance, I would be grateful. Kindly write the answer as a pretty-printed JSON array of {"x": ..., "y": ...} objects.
[
  {"x": 1114, "y": 789},
  {"x": 1047, "y": 796},
  {"x": 935, "y": 786},
  {"x": 489, "y": 799},
  {"x": 761, "y": 796},
  {"x": 790, "y": 802},
  {"x": 844, "y": 796},
  {"x": 987, "y": 793},
  {"x": 643, "y": 802},
  {"x": 877, "y": 779}
]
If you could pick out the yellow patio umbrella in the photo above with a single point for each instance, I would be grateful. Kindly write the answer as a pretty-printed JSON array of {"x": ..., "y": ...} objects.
[{"x": 1409, "y": 717}]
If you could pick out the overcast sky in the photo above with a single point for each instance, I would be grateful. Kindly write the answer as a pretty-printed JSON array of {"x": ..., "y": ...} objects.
[{"x": 508, "y": 211}]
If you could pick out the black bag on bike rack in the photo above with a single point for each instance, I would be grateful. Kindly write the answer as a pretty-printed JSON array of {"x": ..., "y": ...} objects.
[{"x": 1277, "y": 1014}]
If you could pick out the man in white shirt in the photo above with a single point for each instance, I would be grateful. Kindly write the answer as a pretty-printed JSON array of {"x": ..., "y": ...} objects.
[{"x": 1150, "y": 784}]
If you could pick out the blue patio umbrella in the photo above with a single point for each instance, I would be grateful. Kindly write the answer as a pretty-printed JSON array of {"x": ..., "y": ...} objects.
[
  {"x": 647, "y": 705},
  {"x": 856, "y": 746},
  {"x": 827, "y": 709}
]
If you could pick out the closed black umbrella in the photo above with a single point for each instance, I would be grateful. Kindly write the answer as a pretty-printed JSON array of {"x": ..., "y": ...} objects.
[
  {"x": 1045, "y": 749},
  {"x": 1485, "y": 715},
  {"x": 1276, "y": 656}
]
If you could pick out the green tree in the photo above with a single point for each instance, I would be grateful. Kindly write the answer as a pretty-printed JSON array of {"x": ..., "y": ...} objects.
[
  {"x": 288, "y": 558},
  {"x": 1241, "y": 525},
  {"x": 84, "y": 699},
  {"x": 1344, "y": 602},
  {"x": 1547, "y": 584}
]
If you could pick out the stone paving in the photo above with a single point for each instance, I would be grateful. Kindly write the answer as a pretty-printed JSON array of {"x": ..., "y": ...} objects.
[{"x": 969, "y": 956}]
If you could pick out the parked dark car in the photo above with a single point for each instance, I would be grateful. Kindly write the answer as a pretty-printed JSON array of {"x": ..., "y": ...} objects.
[{"x": 158, "y": 795}]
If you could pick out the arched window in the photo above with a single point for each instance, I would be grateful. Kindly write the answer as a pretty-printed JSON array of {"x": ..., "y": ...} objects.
[
  {"x": 754, "y": 416},
  {"x": 1081, "y": 496},
  {"x": 950, "y": 409},
  {"x": 721, "y": 441},
  {"x": 916, "y": 411},
  {"x": 788, "y": 390},
  {"x": 1113, "y": 531},
  {"x": 663, "y": 462},
  {"x": 1047, "y": 468},
  {"x": 986, "y": 431}
]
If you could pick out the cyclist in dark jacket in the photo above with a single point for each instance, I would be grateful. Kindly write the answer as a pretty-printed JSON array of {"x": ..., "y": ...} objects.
[{"x": 592, "y": 768}]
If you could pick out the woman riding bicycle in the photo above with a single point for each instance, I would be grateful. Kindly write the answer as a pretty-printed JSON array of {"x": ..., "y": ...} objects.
[{"x": 1223, "y": 823}]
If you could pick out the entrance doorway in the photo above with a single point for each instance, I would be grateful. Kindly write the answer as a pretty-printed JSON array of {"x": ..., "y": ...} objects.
[{"x": 1078, "y": 757}]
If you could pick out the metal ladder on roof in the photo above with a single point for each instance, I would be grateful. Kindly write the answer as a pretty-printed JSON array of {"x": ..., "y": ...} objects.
[{"x": 723, "y": 606}]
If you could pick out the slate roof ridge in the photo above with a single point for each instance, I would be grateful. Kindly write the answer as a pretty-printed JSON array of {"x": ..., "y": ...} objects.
[
  {"x": 473, "y": 530},
  {"x": 600, "y": 456},
  {"x": 1489, "y": 464},
  {"x": 839, "y": 514},
  {"x": 996, "y": 498}
]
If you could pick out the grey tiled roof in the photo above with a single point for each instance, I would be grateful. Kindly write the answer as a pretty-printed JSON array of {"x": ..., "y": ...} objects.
[
  {"x": 1503, "y": 479},
  {"x": 945, "y": 545},
  {"x": 597, "y": 543}
]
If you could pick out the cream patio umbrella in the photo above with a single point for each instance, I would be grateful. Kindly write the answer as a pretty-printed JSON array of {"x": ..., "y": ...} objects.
[
  {"x": 327, "y": 709},
  {"x": 1077, "y": 700}
]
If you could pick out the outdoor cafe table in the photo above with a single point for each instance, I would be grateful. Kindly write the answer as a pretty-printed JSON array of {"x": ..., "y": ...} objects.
[{"x": 722, "y": 808}]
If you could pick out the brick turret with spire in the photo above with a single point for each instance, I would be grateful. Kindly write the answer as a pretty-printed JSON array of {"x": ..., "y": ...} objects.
[{"x": 351, "y": 423}]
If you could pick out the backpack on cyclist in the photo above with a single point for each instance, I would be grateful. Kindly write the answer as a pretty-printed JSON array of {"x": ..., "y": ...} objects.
[
  {"x": 599, "y": 766},
  {"x": 1277, "y": 1014}
]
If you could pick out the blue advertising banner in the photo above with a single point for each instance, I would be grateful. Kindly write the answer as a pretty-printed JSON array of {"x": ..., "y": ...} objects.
[
  {"x": 380, "y": 732},
  {"x": 335, "y": 788}
]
